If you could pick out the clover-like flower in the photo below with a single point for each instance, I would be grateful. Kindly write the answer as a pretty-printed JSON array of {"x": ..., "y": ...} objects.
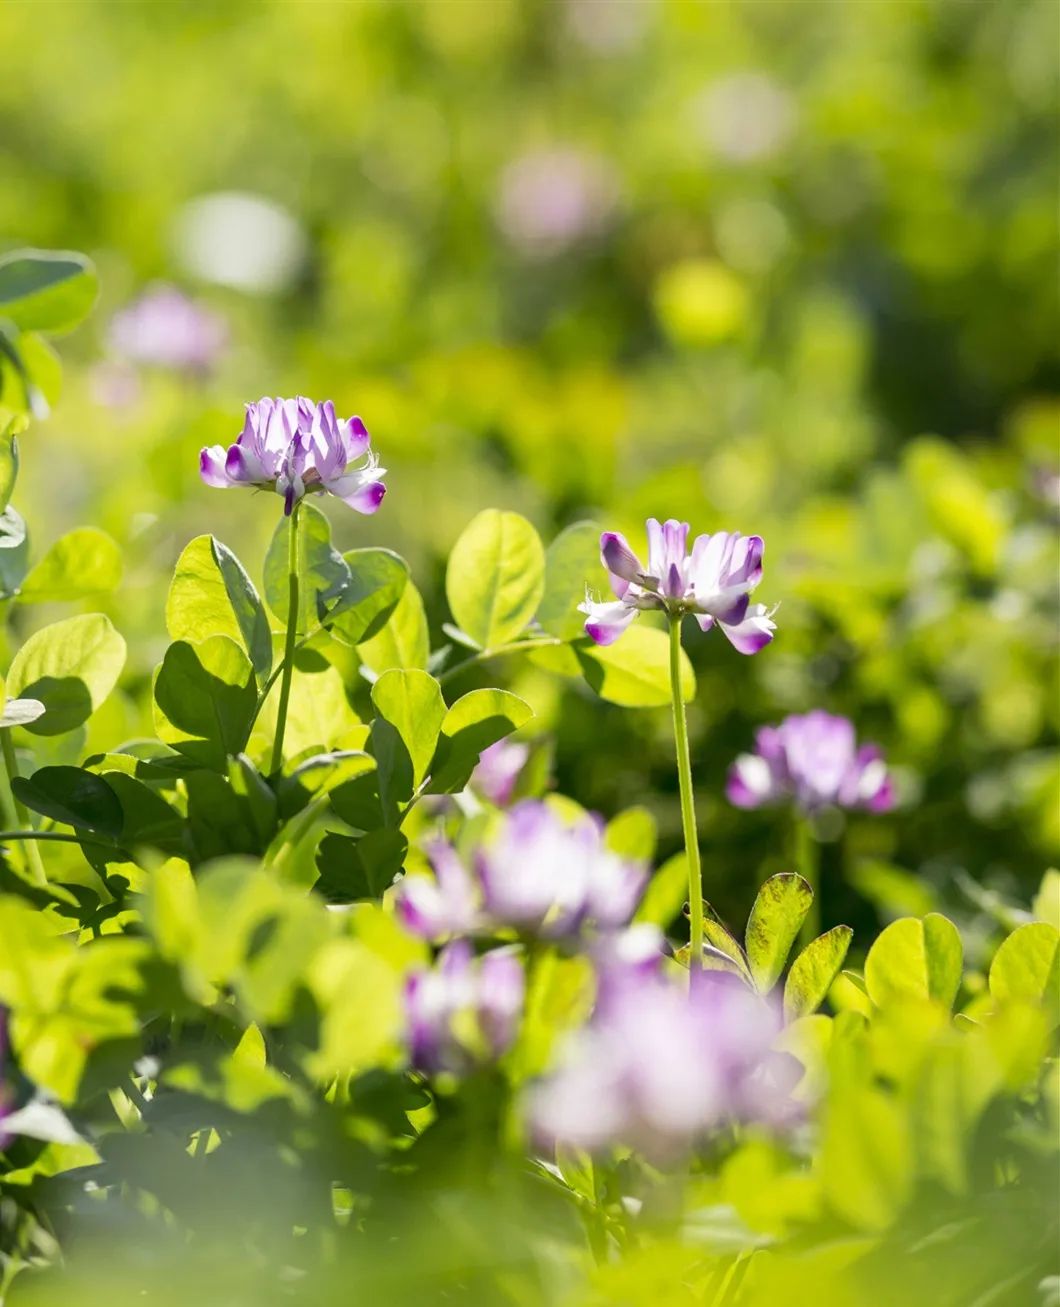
[
  {"x": 713, "y": 583},
  {"x": 540, "y": 874},
  {"x": 658, "y": 1065},
  {"x": 298, "y": 448},
  {"x": 464, "y": 1012},
  {"x": 812, "y": 760},
  {"x": 166, "y": 329}
]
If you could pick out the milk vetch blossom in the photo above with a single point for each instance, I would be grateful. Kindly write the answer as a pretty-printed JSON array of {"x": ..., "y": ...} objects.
[
  {"x": 713, "y": 583},
  {"x": 812, "y": 760},
  {"x": 299, "y": 448}
]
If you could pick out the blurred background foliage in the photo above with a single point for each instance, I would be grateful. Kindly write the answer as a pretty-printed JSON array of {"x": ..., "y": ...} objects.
[{"x": 786, "y": 268}]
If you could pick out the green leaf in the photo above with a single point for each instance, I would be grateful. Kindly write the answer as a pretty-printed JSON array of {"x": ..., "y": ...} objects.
[
  {"x": 147, "y": 819},
  {"x": 666, "y": 893},
  {"x": 9, "y": 461},
  {"x": 915, "y": 958},
  {"x": 634, "y": 672},
  {"x": 224, "y": 818},
  {"x": 72, "y": 796},
  {"x": 632, "y": 834},
  {"x": 319, "y": 775},
  {"x": 71, "y": 667},
  {"x": 324, "y": 572},
  {"x": 377, "y": 581},
  {"x": 1027, "y": 966},
  {"x": 813, "y": 972},
  {"x": 472, "y": 724},
  {"x": 319, "y": 716},
  {"x": 495, "y": 577},
  {"x": 572, "y": 562},
  {"x": 211, "y": 594},
  {"x": 352, "y": 869},
  {"x": 204, "y": 700},
  {"x": 1046, "y": 905},
  {"x": 775, "y": 920},
  {"x": 46, "y": 290},
  {"x": 82, "y": 564},
  {"x": 405, "y": 734},
  {"x": 14, "y": 551},
  {"x": 404, "y": 640}
]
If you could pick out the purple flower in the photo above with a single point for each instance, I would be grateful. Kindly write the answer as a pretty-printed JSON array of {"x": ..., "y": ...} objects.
[
  {"x": 713, "y": 583},
  {"x": 540, "y": 875},
  {"x": 465, "y": 1011},
  {"x": 498, "y": 770},
  {"x": 659, "y": 1065},
  {"x": 296, "y": 448},
  {"x": 166, "y": 329},
  {"x": 552, "y": 199},
  {"x": 813, "y": 760}
]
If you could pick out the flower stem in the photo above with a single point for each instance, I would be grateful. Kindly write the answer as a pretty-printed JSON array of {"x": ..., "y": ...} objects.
[
  {"x": 807, "y": 864},
  {"x": 688, "y": 810},
  {"x": 34, "y": 861},
  {"x": 293, "y": 569}
]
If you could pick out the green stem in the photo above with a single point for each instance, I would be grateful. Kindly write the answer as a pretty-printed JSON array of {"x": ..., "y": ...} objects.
[
  {"x": 688, "y": 810},
  {"x": 807, "y": 864},
  {"x": 483, "y": 655},
  {"x": 33, "y": 859},
  {"x": 31, "y": 836},
  {"x": 290, "y": 641}
]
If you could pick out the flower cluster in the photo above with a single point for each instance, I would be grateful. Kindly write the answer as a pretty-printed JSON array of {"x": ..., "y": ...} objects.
[
  {"x": 498, "y": 771},
  {"x": 814, "y": 761},
  {"x": 540, "y": 875},
  {"x": 465, "y": 1010},
  {"x": 713, "y": 583},
  {"x": 166, "y": 329},
  {"x": 659, "y": 1064},
  {"x": 296, "y": 447}
]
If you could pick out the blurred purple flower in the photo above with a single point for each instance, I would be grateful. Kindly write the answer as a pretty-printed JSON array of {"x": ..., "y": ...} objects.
[
  {"x": 659, "y": 1065},
  {"x": 713, "y": 583},
  {"x": 166, "y": 329},
  {"x": 296, "y": 448},
  {"x": 540, "y": 875},
  {"x": 552, "y": 199},
  {"x": 465, "y": 1011},
  {"x": 814, "y": 761},
  {"x": 498, "y": 770}
]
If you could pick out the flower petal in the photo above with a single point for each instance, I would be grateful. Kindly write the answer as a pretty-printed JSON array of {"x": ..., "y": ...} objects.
[
  {"x": 753, "y": 633},
  {"x": 605, "y": 622},
  {"x": 621, "y": 562},
  {"x": 212, "y": 467}
]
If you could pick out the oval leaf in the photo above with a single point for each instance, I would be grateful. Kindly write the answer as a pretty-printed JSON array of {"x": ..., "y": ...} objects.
[
  {"x": 377, "y": 580},
  {"x": 915, "y": 958},
  {"x": 775, "y": 920},
  {"x": 211, "y": 594},
  {"x": 80, "y": 565},
  {"x": 46, "y": 290},
  {"x": 72, "y": 796},
  {"x": 70, "y": 667},
  {"x": 572, "y": 562},
  {"x": 404, "y": 640},
  {"x": 495, "y": 577},
  {"x": 204, "y": 700},
  {"x": 1027, "y": 965},
  {"x": 472, "y": 724},
  {"x": 324, "y": 573},
  {"x": 813, "y": 972},
  {"x": 634, "y": 672},
  {"x": 405, "y": 734}
]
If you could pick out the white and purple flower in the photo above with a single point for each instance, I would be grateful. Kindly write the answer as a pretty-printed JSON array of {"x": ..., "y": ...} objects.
[
  {"x": 498, "y": 770},
  {"x": 713, "y": 583},
  {"x": 658, "y": 1065},
  {"x": 814, "y": 761},
  {"x": 464, "y": 1012},
  {"x": 166, "y": 329},
  {"x": 297, "y": 448},
  {"x": 540, "y": 875}
]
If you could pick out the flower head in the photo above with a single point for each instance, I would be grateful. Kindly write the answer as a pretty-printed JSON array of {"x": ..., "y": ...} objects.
[
  {"x": 813, "y": 760},
  {"x": 166, "y": 329},
  {"x": 540, "y": 875},
  {"x": 297, "y": 448},
  {"x": 658, "y": 1065},
  {"x": 713, "y": 583},
  {"x": 465, "y": 1011}
]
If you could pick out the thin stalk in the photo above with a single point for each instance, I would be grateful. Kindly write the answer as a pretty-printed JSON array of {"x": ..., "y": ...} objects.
[
  {"x": 483, "y": 655},
  {"x": 31, "y": 836},
  {"x": 33, "y": 858},
  {"x": 688, "y": 810},
  {"x": 807, "y": 863},
  {"x": 293, "y": 569}
]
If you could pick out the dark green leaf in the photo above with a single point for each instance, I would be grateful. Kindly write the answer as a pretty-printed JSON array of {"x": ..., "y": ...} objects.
[
  {"x": 205, "y": 699},
  {"x": 377, "y": 581},
  {"x": 72, "y": 796},
  {"x": 324, "y": 572},
  {"x": 354, "y": 868}
]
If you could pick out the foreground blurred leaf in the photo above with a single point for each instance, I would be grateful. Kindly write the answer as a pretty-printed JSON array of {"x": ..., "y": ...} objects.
[
  {"x": 1027, "y": 966},
  {"x": 70, "y": 667},
  {"x": 915, "y": 958},
  {"x": 80, "y": 565},
  {"x": 14, "y": 551},
  {"x": 495, "y": 577},
  {"x": 46, "y": 290},
  {"x": 8, "y": 461},
  {"x": 211, "y": 594}
]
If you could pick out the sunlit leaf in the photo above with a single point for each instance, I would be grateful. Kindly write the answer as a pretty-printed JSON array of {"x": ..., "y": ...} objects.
[
  {"x": 82, "y": 564},
  {"x": 776, "y": 918},
  {"x": 915, "y": 958},
  {"x": 495, "y": 577},
  {"x": 813, "y": 972},
  {"x": 46, "y": 290},
  {"x": 211, "y": 594},
  {"x": 70, "y": 667}
]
